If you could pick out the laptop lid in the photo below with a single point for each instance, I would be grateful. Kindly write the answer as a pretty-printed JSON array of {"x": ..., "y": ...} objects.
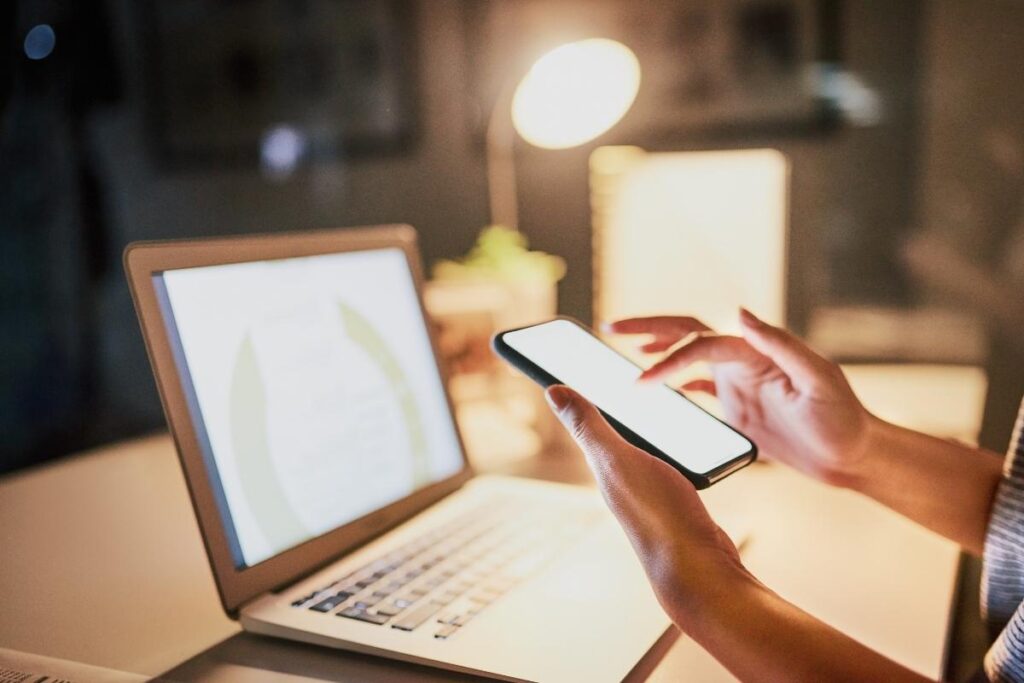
[{"x": 301, "y": 385}]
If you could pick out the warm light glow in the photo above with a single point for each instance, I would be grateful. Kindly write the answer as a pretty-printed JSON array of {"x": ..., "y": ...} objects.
[
  {"x": 575, "y": 93},
  {"x": 700, "y": 232}
]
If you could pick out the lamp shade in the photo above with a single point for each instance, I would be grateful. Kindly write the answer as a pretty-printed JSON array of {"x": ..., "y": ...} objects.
[{"x": 575, "y": 92}]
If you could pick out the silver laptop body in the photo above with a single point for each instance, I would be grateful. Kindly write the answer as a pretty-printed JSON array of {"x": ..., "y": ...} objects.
[{"x": 300, "y": 381}]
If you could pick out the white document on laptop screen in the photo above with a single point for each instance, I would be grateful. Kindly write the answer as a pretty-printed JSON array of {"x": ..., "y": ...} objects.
[{"x": 317, "y": 387}]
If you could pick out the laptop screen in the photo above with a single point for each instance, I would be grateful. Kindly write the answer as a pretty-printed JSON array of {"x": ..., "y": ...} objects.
[{"x": 314, "y": 390}]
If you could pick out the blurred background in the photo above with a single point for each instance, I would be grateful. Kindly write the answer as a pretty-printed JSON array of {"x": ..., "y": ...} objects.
[{"x": 853, "y": 168}]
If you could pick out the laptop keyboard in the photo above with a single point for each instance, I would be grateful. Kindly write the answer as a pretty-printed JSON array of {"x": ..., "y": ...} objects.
[{"x": 446, "y": 577}]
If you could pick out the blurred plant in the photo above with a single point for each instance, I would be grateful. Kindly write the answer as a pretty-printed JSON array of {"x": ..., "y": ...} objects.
[{"x": 501, "y": 253}]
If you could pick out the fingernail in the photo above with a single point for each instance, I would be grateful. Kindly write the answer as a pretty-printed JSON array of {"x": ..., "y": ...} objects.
[
  {"x": 558, "y": 397},
  {"x": 605, "y": 326},
  {"x": 749, "y": 319}
]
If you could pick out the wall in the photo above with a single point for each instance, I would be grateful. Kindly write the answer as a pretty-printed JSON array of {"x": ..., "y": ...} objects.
[
  {"x": 972, "y": 131},
  {"x": 439, "y": 188},
  {"x": 971, "y": 185}
]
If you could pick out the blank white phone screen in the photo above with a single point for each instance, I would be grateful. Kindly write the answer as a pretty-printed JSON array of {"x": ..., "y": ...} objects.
[{"x": 669, "y": 422}]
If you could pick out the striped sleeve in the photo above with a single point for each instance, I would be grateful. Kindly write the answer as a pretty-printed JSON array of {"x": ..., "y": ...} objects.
[
  {"x": 1002, "y": 586},
  {"x": 1005, "y": 659}
]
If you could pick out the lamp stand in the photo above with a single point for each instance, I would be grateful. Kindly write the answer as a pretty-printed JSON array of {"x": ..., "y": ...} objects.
[{"x": 501, "y": 167}]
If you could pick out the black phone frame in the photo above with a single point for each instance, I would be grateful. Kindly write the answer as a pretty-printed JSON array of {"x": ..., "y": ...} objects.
[{"x": 546, "y": 379}]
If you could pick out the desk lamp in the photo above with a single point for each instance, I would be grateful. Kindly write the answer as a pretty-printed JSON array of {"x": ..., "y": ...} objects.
[{"x": 570, "y": 96}]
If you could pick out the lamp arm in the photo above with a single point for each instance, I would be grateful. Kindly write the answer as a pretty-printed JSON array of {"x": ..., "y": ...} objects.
[{"x": 501, "y": 167}]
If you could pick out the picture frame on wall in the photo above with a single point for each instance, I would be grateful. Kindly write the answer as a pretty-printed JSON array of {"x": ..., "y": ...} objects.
[{"x": 321, "y": 79}]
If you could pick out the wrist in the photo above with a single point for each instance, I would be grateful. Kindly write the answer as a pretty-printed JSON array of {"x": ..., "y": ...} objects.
[
  {"x": 705, "y": 590},
  {"x": 859, "y": 464},
  {"x": 718, "y": 591}
]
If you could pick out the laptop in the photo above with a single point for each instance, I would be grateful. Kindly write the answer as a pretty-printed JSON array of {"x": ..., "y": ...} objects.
[{"x": 302, "y": 387}]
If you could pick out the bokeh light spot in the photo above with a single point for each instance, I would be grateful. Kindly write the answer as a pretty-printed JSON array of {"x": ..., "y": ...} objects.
[
  {"x": 40, "y": 41},
  {"x": 281, "y": 150}
]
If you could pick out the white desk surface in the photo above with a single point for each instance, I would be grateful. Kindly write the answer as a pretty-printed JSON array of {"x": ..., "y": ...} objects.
[{"x": 103, "y": 564}]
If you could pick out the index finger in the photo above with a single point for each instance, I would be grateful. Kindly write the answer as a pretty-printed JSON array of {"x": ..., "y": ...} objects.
[
  {"x": 712, "y": 349},
  {"x": 661, "y": 326}
]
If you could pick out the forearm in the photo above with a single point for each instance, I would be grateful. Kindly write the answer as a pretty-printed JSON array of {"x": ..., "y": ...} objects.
[
  {"x": 943, "y": 485},
  {"x": 759, "y": 636}
]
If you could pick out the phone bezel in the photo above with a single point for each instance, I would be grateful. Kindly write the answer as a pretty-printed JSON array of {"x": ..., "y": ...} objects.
[{"x": 546, "y": 379}]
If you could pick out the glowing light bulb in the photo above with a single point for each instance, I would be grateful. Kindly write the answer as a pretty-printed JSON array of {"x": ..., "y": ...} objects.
[{"x": 575, "y": 93}]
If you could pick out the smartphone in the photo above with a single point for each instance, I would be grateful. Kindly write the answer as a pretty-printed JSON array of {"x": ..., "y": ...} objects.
[{"x": 653, "y": 417}]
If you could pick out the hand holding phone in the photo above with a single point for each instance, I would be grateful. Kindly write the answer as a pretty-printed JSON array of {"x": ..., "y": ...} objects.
[{"x": 653, "y": 417}]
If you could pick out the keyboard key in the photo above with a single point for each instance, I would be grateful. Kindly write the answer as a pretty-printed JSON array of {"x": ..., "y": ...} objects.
[
  {"x": 446, "y": 597},
  {"x": 462, "y": 619},
  {"x": 368, "y": 600},
  {"x": 417, "y": 616},
  {"x": 390, "y": 610},
  {"x": 304, "y": 599},
  {"x": 330, "y": 603},
  {"x": 363, "y": 615},
  {"x": 446, "y": 630},
  {"x": 457, "y": 617}
]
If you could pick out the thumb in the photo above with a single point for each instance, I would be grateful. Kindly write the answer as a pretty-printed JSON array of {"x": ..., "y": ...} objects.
[
  {"x": 603, "y": 447},
  {"x": 803, "y": 366},
  {"x": 646, "y": 495}
]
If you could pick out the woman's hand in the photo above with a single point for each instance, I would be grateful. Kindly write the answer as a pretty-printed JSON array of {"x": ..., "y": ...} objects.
[
  {"x": 696, "y": 572},
  {"x": 688, "y": 558},
  {"x": 797, "y": 406}
]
